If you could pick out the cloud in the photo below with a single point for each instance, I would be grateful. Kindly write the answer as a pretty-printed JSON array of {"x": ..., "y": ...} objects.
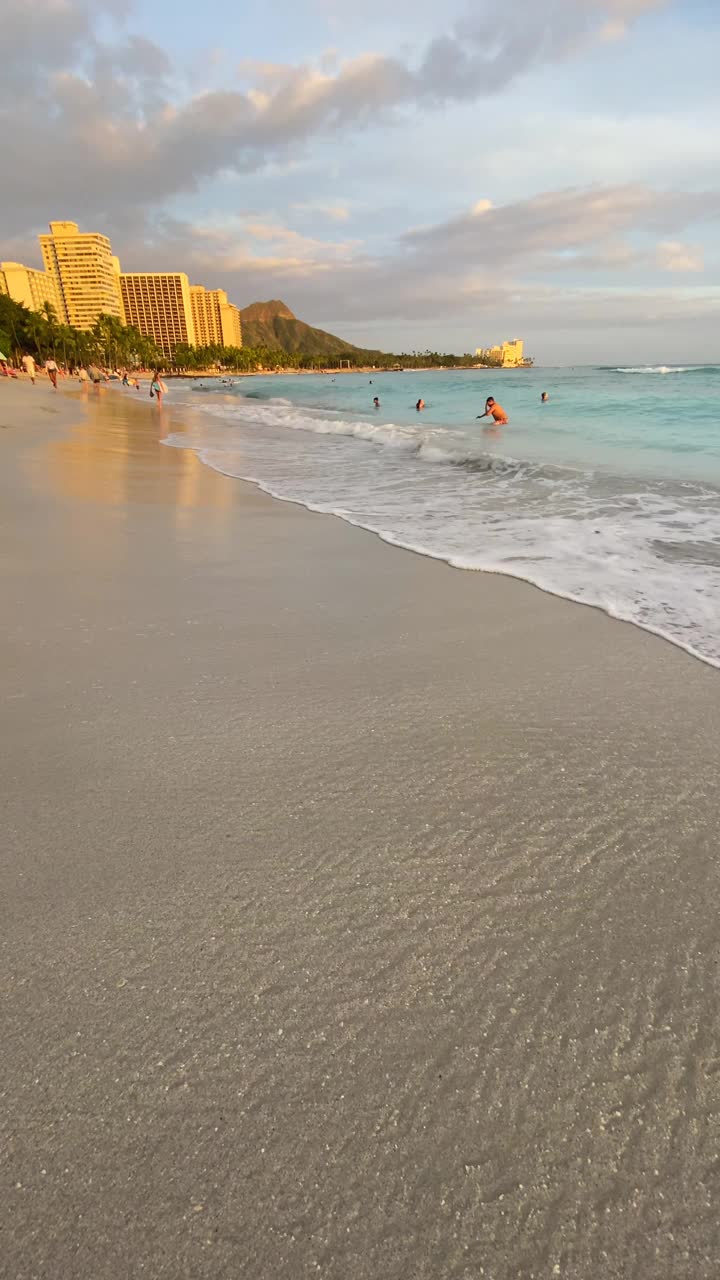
[
  {"x": 453, "y": 272},
  {"x": 672, "y": 255},
  {"x": 621, "y": 14},
  {"x": 110, "y": 119},
  {"x": 335, "y": 212},
  {"x": 241, "y": 252},
  {"x": 548, "y": 229}
]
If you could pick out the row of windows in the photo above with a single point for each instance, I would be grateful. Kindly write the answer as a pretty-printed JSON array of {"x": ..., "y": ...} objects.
[
  {"x": 163, "y": 331},
  {"x": 154, "y": 315},
  {"x": 162, "y": 296}
]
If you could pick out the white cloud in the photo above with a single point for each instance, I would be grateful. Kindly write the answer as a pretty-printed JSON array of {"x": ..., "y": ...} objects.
[
  {"x": 448, "y": 271},
  {"x": 543, "y": 230},
  {"x": 335, "y": 212},
  {"x": 672, "y": 255},
  {"x": 110, "y": 121}
]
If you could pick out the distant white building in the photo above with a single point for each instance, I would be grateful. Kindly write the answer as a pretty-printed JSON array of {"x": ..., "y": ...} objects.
[{"x": 508, "y": 355}]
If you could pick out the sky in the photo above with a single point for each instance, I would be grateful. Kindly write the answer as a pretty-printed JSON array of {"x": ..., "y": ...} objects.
[{"x": 406, "y": 174}]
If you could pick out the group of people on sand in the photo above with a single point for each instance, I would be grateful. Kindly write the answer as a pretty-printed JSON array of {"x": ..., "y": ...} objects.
[
  {"x": 29, "y": 365},
  {"x": 127, "y": 379},
  {"x": 85, "y": 376}
]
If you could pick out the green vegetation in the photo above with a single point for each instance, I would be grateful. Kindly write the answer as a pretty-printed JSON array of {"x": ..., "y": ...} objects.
[
  {"x": 243, "y": 359},
  {"x": 109, "y": 343},
  {"x": 253, "y": 359},
  {"x": 271, "y": 327},
  {"x": 274, "y": 339}
]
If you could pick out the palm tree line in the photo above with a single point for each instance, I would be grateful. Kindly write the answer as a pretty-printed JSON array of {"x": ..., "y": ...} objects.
[
  {"x": 40, "y": 334},
  {"x": 115, "y": 345}
]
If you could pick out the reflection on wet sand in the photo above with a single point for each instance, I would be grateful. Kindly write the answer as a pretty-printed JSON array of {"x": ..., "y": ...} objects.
[{"x": 114, "y": 457}]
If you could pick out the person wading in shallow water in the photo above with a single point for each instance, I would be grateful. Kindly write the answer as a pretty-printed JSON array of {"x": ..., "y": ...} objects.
[
  {"x": 495, "y": 411},
  {"x": 157, "y": 388}
]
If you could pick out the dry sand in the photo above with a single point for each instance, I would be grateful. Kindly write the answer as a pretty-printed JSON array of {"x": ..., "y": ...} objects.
[{"x": 359, "y": 915}]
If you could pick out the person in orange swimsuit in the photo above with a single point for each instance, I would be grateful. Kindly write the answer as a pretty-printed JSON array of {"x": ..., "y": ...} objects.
[{"x": 495, "y": 411}]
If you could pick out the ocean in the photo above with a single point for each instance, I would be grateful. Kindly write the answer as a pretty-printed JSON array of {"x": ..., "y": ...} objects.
[{"x": 609, "y": 494}]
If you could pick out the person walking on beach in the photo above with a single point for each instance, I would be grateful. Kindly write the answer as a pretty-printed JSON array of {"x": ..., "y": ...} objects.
[
  {"x": 28, "y": 365},
  {"x": 52, "y": 372},
  {"x": 495, "y": 411},
  {"x": 158, "y": 388}
]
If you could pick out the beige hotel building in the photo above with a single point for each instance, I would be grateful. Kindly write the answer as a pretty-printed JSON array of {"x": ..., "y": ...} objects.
[
  {"x": 83, "y": 280},
  {"x": 167, "y": 308},
  {"x": 217, "y": 322},
  {"x": 85, "y": 274},
  {"x": 29, "y": 287},
  {"x": 158, "y": 304}
]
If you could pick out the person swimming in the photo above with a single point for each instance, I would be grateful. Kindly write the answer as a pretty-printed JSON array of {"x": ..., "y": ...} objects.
[
  {"x": 495, "y": 411},
  {"x": 420, "y": 405},
  {"x": 544, "y": 397},
  {"x": 376, "y": 402}
]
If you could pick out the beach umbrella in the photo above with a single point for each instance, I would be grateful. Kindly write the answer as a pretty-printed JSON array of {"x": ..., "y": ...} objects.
[{"x": 2, "y": 357}]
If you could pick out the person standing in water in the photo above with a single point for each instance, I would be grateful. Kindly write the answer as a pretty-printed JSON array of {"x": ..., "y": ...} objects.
[
  {"x": 158, "y": 388},
  {"x": 495, "y": 411},
  {"x": 420, "y": 406},
  {"x": 376, "y": 403},
  {"x": 544, "y": 397}
]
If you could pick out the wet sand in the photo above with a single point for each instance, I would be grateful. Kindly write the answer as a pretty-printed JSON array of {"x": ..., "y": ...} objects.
[{"x": 359, "y": 916}]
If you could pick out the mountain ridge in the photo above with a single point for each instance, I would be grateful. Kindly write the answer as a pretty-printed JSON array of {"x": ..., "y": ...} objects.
[{"x": 272, "y": 324}]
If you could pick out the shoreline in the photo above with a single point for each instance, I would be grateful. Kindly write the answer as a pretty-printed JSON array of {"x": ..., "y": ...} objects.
[
  {"x": 329, "y": 370},
  {"x": 455, "y": 561},
  {"x": 449, "y": 563},
  {"x": 359, "y": 917}
]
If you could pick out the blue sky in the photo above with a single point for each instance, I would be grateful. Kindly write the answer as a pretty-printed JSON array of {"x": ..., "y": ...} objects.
[{"x": 407, "y": 175}]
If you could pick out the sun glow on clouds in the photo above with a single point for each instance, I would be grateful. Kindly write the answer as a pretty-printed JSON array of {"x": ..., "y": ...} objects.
[
  {"x": 261, "y": 242},
  {"x": 335, "y": 212},
  {"x": 120, "y": 142},
  {"x": 672, "y": 255}
]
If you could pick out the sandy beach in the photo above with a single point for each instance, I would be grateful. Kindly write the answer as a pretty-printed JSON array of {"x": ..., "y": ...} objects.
[{"x": 359, "y": 915}]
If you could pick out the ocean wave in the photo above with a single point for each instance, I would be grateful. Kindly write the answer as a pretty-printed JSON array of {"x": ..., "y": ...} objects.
[
  {"x": 600, "y": 562},
  {"x": 669, "y": 368},
  {"x": 434, "y": 445},
  {"x": 644, "y": 550}
]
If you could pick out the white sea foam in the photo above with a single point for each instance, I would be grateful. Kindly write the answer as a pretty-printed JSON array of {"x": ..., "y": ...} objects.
[
  {"x": 645, "y": 552},
  {"x": 658, "y": 368}
]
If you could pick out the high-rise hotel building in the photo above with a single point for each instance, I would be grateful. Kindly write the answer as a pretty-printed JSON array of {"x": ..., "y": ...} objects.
[
  {"x": 158, "y": 304},
  {"x": 217, "y": 322},
  {"x": 82, "y": 280},
  {"x": 85, "y": 274},
  {"x": 30, "y": 287}
]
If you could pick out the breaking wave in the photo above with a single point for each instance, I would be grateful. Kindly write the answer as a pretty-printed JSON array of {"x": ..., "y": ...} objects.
[
  {"x": 669, "y": 368},
  {"x": 645, "y": 551}
]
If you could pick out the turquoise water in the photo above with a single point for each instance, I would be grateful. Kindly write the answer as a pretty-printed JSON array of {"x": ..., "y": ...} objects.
[
  {"x": 608, "y": 494},
  {"x": 660, "y": 423}
]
